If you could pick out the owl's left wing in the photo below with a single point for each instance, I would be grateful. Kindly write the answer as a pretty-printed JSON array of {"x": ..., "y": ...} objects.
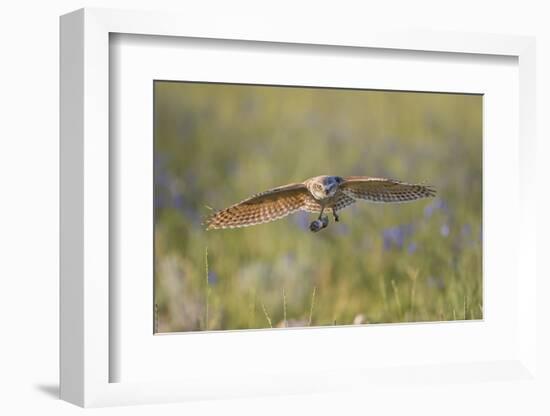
[
  {"x": 384, "y": 190},
  {"x": 267, "y": 206},
  {"x": 342, "y": 201}
]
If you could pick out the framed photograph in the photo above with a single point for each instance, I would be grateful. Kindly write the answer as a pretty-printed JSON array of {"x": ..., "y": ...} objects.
[
  {"x": 269, "y": 212},
  {"x": 232, "y": 268}
]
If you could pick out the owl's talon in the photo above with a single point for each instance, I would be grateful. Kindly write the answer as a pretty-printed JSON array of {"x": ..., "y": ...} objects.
[
  {"x": 319, "y": 224},
  {"x": 316, "y": 226}
]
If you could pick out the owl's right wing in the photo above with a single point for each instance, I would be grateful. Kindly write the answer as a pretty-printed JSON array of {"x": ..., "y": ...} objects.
[{"x": 267, "y": 206}]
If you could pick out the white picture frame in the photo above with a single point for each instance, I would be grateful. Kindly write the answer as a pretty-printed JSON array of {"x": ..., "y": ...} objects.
[{"x": 87, "y": 355}]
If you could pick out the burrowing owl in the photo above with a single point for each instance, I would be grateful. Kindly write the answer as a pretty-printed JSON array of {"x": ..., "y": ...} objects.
[{"x": 315, "y": 195}]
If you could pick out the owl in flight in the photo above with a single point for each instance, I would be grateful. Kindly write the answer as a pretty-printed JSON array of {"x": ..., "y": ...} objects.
[{"x": 315, "y": 195}]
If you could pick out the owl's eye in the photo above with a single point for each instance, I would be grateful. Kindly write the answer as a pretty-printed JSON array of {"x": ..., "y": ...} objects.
[{"x": 318, "y": 187}]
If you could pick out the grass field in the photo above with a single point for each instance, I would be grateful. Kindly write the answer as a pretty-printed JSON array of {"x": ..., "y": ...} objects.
[{"x": 217, "y": 144}]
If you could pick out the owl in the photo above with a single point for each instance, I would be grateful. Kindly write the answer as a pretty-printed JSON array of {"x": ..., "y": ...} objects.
[{"x": 316, "y": 195}]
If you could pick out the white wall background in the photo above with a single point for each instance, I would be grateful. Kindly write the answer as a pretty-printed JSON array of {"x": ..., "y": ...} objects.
[{"x": 29, "y": 204}]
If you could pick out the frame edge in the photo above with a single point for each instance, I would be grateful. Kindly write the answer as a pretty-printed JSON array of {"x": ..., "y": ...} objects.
[{"x": 71, "y": 218}]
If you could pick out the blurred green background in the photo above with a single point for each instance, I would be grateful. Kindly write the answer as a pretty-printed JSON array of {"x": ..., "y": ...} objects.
[{"x": 216, "y": 144}]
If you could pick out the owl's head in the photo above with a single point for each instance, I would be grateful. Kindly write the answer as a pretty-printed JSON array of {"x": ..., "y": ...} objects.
[{"x": 322, "y": 187}]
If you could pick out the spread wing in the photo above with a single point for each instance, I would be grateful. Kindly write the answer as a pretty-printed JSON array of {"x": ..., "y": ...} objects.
[
  {"x": 264, "y": 207},
  {"x": 342, "y": 201},
  {"x": 384, "y": 190}
]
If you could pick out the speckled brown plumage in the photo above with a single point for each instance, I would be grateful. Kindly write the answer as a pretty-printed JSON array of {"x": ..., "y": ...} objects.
[{"x": 315, "y": 195}]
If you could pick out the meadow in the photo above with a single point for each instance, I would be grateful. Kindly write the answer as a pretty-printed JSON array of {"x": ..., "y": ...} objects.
[{"x": 216, "y": 144}]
